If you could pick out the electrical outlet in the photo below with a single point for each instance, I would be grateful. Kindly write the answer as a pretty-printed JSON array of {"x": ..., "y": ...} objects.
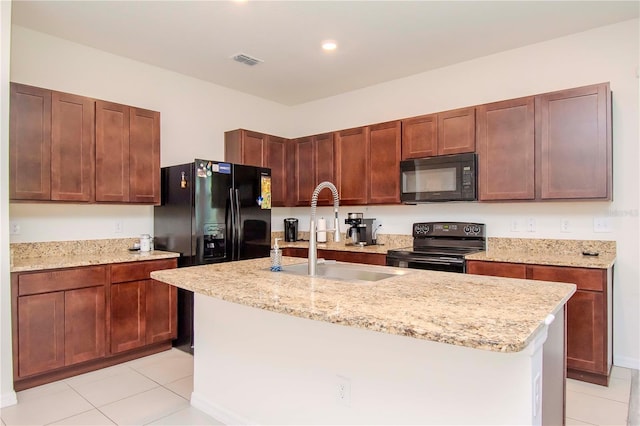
[
  {"x": 117, "y": 227},
  {"x": 565, "y": 225},
  {"x": 15, "y": 229},
  {"x": 602, "y": 224},
  {"x": 531, "y": 225},
  {"x": 515, "y": 225},
  {"x": 343, "y": 391}
]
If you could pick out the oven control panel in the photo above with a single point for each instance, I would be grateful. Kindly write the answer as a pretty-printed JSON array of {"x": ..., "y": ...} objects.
[{"x": 448, "y": 229}]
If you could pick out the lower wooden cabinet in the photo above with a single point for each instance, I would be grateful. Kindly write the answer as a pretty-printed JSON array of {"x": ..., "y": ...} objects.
[
  {"x": 69, "y": 321},
  {"x": 589, "y": 337},
  {"x": 339, "y": 255}
]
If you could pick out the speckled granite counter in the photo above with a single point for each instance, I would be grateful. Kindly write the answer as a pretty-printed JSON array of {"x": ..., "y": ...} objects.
[
  {"x": 497, "y": 314},
  {"x": 68, "y": 254},
  {"x": 385, "y": 242},
  {"x": 548, "y": 252}
]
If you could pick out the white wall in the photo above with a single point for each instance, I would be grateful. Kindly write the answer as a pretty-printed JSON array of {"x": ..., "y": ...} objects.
[
  {"x": 7, "y": 395},
  {"x": 195, "y": 114}
]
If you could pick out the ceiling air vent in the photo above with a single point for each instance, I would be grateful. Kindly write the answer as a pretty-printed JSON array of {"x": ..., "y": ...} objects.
[{"x": 246, "y": 59}]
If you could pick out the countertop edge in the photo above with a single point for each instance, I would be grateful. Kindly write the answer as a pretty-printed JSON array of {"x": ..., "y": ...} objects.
[{"x": 32, "y": 264}]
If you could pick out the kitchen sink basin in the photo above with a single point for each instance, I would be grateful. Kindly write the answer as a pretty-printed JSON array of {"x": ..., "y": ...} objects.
[{"x": 331, "y": 269}]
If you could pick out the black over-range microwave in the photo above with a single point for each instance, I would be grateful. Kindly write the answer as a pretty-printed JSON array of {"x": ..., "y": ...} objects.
[{"x": 442, "y": 178}]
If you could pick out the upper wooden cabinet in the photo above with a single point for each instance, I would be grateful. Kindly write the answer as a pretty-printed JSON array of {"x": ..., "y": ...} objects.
[
  {"x": 51, "y": 145},
  {"x": 261, "y": 150},
  {"x": 352, "y": 165},
  {"x": 127, "y": 154},
  {"x": 555, "y": 146},
  {"x": 313, "y": 164},
  {"x": 65, "y": 147},
  {"x": 505, "y": 137},
  {"x": 384, "y": 163},
  {"x": 448, "y": 132},
  {"x": 573, "y": 141}
]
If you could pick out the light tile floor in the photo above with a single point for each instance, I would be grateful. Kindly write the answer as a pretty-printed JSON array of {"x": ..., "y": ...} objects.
[{"x": 156, "y": 390}]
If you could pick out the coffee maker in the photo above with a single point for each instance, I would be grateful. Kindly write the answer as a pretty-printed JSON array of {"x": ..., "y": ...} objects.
[
  {"x": 361, "y": 230},
  {"x": 291, "y": 229}
]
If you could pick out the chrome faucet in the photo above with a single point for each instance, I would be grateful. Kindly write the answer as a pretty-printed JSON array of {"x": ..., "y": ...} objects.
[{"x": 313, "y": 245}]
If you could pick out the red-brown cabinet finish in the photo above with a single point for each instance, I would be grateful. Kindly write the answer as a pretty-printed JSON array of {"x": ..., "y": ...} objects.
[
  {"x": 245, "y": 147},
  {"x": 144, "y": 156},
  {"x": 276, "y": 160},
  {"x": 303, "y": 149},
  {"x": 29, "y": 143},
  {"x": 112, "y": 152},
  {"x": 72, "y": 147},
  {"x": 323, "y": 159},
  {"x": 497, "y": 269},
  {"x": 84, "y": 324},
  {"x": 456, "y": 131},
  {"x": 161, "y": 316},
  {"x": 420, "y": 137},
  {"x": 573, "y": 136},
  {"x": 128, "y": 308},
  {"x": 384, "y": 163},
  {"x": 506, "y": 150},
  {"x": 352, "y": 161}
]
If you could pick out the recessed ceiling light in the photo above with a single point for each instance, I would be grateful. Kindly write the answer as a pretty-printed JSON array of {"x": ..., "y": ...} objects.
[{"x": 329, "y": 45}]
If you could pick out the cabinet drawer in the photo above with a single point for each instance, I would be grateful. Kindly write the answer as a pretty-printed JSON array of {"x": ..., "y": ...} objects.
[
  {"x": 497, "y": 269},
  {"x": 134, "y": 271},
  {"x": 64, "y": 279},
  {"x": 584, "y": 278}
]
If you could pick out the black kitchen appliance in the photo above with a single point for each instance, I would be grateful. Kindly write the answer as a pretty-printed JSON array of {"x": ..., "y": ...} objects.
[
  {"x": 440, "y": 246},
  {"x": 291, "y": 229},
  {"x": 441, "y": 178},
  {"x": 211, "y": 212}
]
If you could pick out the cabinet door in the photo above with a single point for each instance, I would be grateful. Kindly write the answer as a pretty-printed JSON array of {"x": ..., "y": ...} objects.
[
  {"x": 253, "y": 147},
  {"x": 72, "y": 147},
  {"x": 506, "y": 150},
  {"x": 586, "y": 341},
  {"x": 128, "y": 327},
  {"x": 305, "y": 171},
  {"x": 384, "y": 163},
  {"x": 352, "y": 160},
  {"x": 574, "y": 139},
  {"x": 323, "y": 156},
  {"x": 277, "y": 161},
  {"x": 40, "y": 333},
  {"x": 29, "y": 143},
  {"x": 420, "y": 137},
  {"x": 144, "y": 156},
  {"x": 496, "y": 269},
  {"x": 84, "y": 324},
  {"x": 161, "y": 311},
  {"x": 112, "y": 152},
  {"x": 457, "y": 131}
]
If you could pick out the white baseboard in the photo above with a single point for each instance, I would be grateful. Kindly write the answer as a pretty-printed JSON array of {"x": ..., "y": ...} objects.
[
  {"x": 8, "y": 398},
  {"x": 219, "y": 413},
  {"x": 627, "y": 362}
]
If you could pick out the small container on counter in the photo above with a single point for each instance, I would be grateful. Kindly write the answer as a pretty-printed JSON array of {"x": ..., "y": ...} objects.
[
  {"x": 276, "y": 257},
  {"x": 145, "y": 243},
  {"x": 322, "y": 230}
]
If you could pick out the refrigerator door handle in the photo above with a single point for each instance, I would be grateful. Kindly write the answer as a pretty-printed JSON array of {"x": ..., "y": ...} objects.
[
  {"x": 238, "y": 225},
  {"x": 233, "y": 224}
]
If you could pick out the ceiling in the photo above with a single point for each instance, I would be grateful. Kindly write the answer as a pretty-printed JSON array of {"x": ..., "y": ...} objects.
[{"x": 377, "y": 41}]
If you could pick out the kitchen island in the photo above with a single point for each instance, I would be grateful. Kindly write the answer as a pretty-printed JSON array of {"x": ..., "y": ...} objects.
[{"x": 426, "y": 347}]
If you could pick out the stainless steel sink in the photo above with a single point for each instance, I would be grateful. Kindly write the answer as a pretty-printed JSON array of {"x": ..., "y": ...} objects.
[{"x": 331, "y": 269}]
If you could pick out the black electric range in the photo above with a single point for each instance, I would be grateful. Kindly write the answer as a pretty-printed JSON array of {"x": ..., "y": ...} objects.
[{"x": 440, "y": 246}]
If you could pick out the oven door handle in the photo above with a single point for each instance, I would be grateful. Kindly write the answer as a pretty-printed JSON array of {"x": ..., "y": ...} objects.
[{"x": 424, "y": 260}]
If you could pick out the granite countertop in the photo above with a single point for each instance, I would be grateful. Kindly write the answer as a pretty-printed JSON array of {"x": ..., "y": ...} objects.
[
  {"x": 497, "y": 314},
  {"x": 548, "y": 252},
  {"x": 341, "y": 246},
  {"x": 68, "y": 254}
]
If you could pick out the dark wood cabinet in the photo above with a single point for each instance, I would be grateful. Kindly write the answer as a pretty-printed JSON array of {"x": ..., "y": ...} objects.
[
  {"x": 589, "y": 339},
  {"x": 420, "y": 137},
  {"x": 70, "y": 321},
  {"x": 384, "y": 163},
  {"x": 457, "y": 131},
  {"x": 313, "y": 164},
  {"x": 573, "y": 139},
  {"x": 323, "y": 166},
  {"x": 127, "y": 154},
  {"x": 52, "y": 145},
  {"x": 59, "y": 319},
  {"x": 339, "y": 255},
  {"x": 352, "y": 162},
  {"x": 443, "y": 133},
  {"x": 261, "y": 150},
  {"x": 506, "y": 150},
  {"x": 143, "y": 311}
]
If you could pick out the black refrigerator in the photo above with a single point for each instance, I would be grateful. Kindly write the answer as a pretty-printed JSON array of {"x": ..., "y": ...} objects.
[{"x": 211, "y": 212}]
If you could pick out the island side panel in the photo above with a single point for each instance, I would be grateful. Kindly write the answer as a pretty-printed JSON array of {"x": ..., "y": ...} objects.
[{"x": 260, "y": 367}]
